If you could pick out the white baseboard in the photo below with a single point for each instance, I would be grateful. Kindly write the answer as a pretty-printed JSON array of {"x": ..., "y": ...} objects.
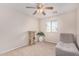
[
  {"x": 51, "y": 41},
  {"x": 2, "y": 52}
]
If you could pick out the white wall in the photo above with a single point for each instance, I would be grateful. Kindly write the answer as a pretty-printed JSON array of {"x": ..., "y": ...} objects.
[
  {"x": 67, "y": 24},
  {"x": 77, "y": 23},
  {"x": 13, "y": 28}
]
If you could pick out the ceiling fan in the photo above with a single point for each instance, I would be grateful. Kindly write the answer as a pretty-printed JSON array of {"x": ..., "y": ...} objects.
[{"x": 40, "y": 8}]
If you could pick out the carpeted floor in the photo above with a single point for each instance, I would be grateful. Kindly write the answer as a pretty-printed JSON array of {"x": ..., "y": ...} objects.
[{"x": 39, "y": 49}]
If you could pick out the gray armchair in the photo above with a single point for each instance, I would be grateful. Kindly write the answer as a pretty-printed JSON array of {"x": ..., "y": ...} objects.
[{"x": 67, "y": 41}]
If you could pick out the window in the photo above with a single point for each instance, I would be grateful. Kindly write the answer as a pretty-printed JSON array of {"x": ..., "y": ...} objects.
[{"x": 52, "y": 26}]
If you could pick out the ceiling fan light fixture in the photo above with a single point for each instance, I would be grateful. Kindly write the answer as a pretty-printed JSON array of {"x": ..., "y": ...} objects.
[
  {"x": 40, "y": 8},
  {"x": 39, "y": 11}
]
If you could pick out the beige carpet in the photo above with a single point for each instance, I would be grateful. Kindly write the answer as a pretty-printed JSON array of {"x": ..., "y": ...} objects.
[{"x": 39, "y": 49}]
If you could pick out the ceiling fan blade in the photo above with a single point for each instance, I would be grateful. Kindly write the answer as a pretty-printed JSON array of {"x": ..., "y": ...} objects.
[
  {"x": 48, "y": 7},
  {"x": 43, "y": 13},
  {"x": 35, "y": 12},
  {"x": 31, "y": 7}
]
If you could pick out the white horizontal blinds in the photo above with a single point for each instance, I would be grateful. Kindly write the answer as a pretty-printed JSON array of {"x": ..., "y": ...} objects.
[
  {"x": 52, "y": 26},
  {"x": 49, "y": 26}
]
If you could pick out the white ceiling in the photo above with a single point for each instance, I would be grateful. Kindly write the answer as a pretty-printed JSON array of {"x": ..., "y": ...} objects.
[{"x": 59, "y": 7}]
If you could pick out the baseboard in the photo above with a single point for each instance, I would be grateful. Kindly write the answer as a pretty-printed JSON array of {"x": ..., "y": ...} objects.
[
  {"x": 51, "y": 42},
  {"x": 12, "y": 49}
]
